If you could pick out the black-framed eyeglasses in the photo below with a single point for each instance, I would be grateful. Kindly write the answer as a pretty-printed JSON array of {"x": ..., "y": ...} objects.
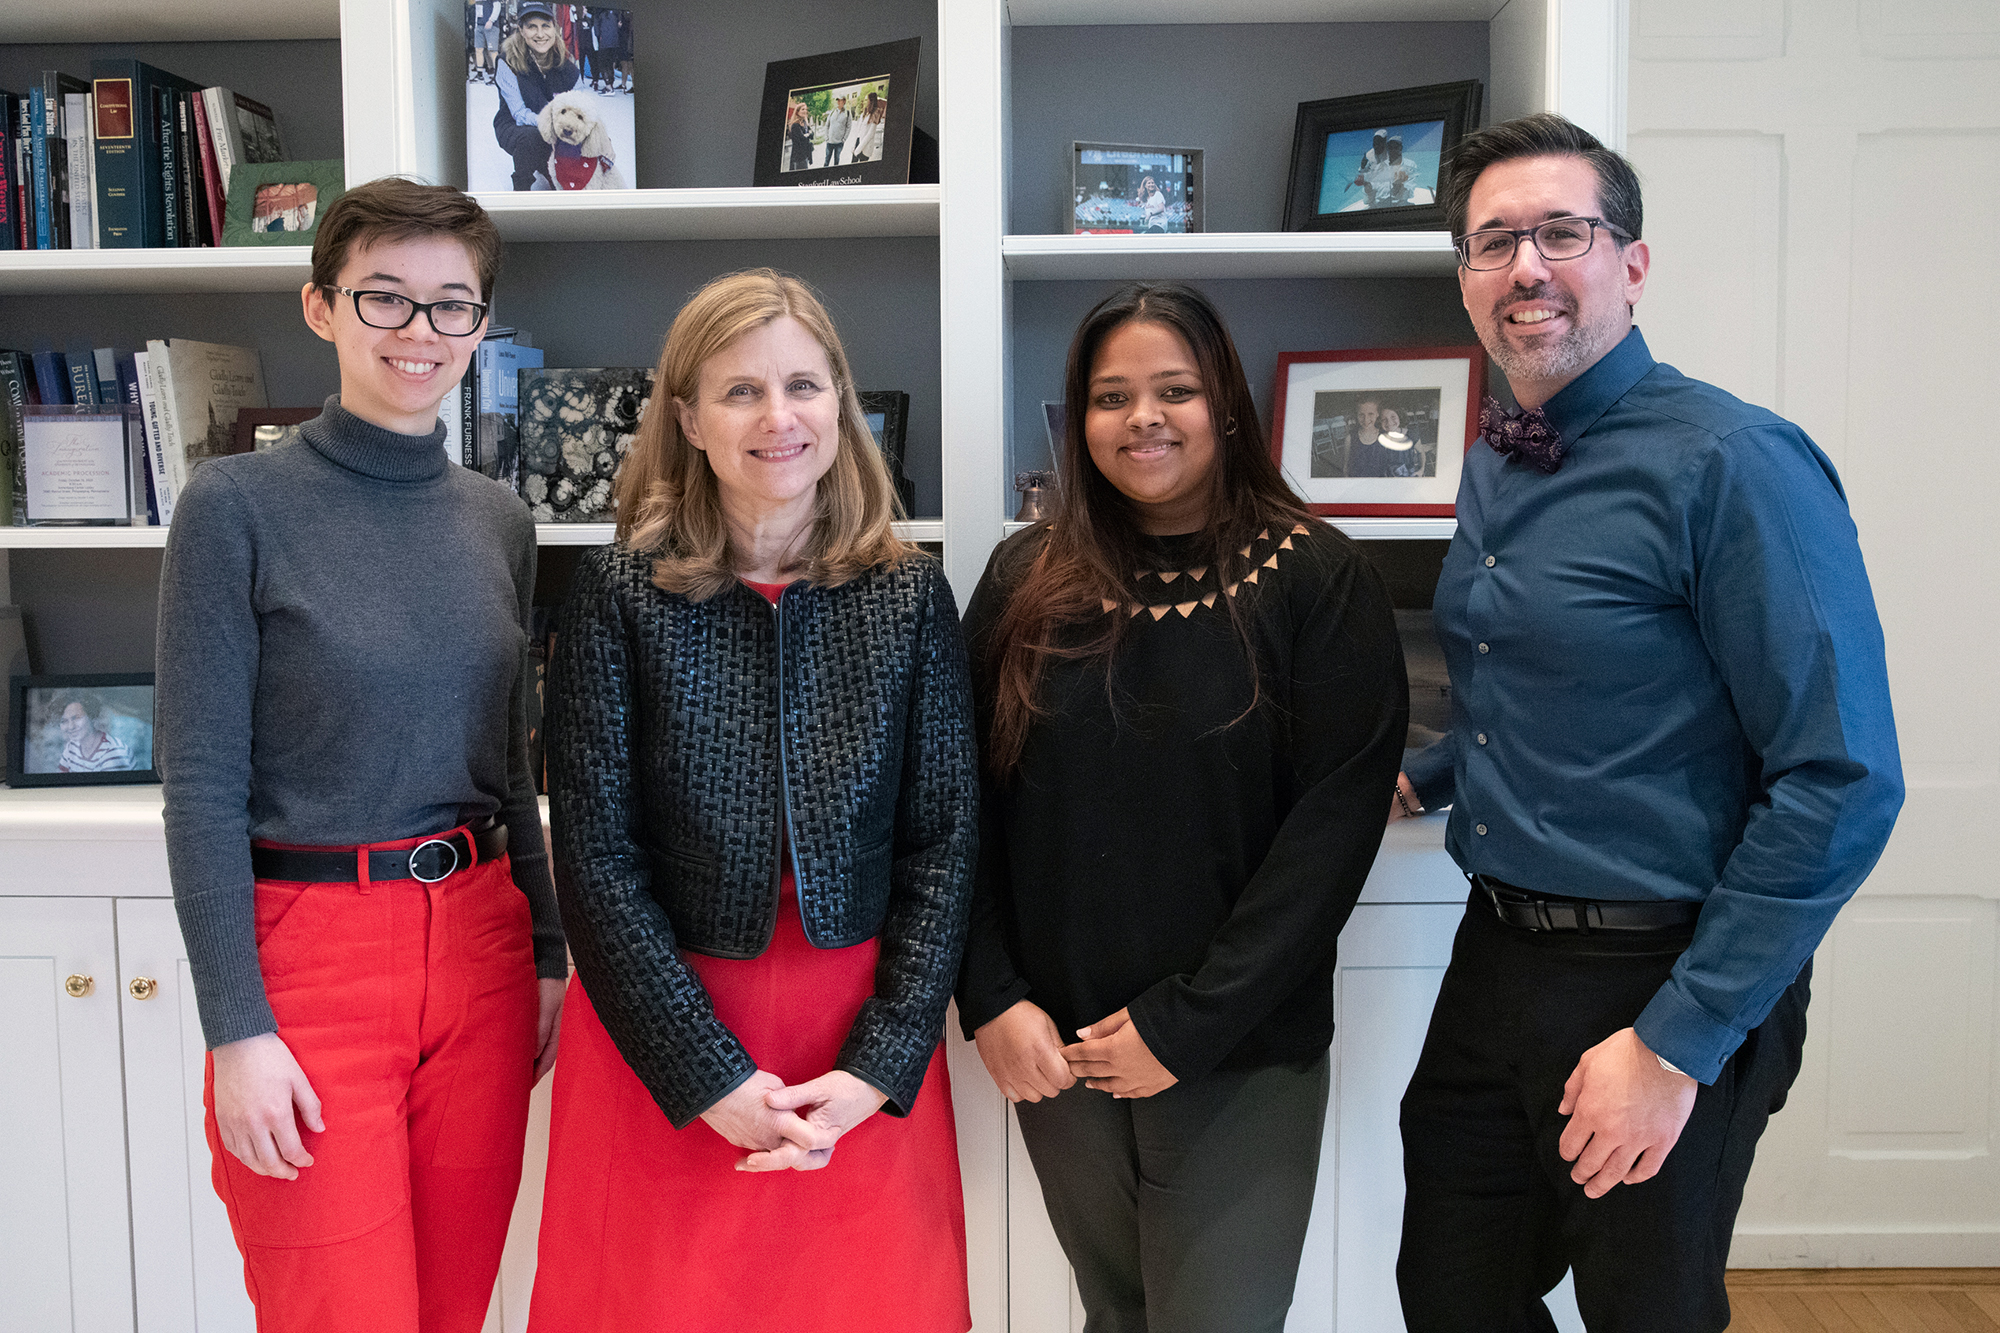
[
  {"x": 1555, "y": 240},
  {"x": 391, "y": 310}
]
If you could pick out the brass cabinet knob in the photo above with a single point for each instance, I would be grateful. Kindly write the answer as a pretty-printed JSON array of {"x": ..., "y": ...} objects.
[
  {"x": 143, "y": 988},
  {"x": 79, "y": 986}
]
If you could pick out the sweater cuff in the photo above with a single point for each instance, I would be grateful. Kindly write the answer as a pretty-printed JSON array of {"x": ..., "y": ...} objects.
[
  {"x": 1430, "y": 773},
  {"x": 1680, "y": 1032},
  {"x": 975, "y": 1011}
]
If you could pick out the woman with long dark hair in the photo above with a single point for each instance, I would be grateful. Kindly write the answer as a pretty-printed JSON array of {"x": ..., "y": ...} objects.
[{"x": 1192, "y": 706}]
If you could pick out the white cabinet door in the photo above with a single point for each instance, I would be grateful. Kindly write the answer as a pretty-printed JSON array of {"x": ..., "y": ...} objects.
[
  {"x": 64, "y": 1258},
  {"x": 187, "y": 1274}
]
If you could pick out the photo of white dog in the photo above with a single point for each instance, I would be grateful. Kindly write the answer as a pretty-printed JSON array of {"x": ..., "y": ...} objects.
[{"x": 581, "y": 154}]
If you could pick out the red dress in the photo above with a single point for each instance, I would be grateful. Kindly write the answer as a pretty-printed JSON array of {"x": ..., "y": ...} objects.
[{"x": 647, "y": 1229}]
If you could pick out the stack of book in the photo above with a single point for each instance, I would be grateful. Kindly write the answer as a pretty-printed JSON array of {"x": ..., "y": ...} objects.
[
  {"x": 135, "y": 157},
  {"x": 187, "y": 395}
]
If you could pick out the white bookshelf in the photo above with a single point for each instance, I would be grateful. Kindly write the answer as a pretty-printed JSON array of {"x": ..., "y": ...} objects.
[
  {"x": 1212, "y": 255},
  {"x": 111, "y": 272},
  {"x": 834, "y": 211}
]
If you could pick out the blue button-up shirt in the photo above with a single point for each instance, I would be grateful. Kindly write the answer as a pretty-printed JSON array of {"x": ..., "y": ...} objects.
[{"x": 1668, "y": 683}]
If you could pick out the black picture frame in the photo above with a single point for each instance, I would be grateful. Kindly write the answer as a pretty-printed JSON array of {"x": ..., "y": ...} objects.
[
  {"x": 894, "y": 407},
  {"x": 26, "y": 709},
  {"x": 822, "y": 76},
  {"x": 1331, "y": 134}
]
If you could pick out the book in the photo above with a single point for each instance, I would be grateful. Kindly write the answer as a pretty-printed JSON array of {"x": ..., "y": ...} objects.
[
  {"x": 104, "y": 360},
  {"x": 131, "y": 200},
  {"x": 38, "y": 148},
  {"x": 81, "y": 364},
  {"x": 576, "y": 427},
  {"x": 496, "y": 441},
  {"x": 153, "y": 421},
  {"x": 211, "y": 171},
  {"x": 20, "y": 129},
  {"x": 52, "y": 143},
  {"x": 257, "y": 127},
  {"x": 9, "y": 240},
  {"x": 127, "y": 364},
  {"x": 76, "y": 154},
  {"x": 201, "y": 387},
  {"x": 14, "y": 376},
  {"x": 51, "y": 376},
  {"x": 194, "y": 222}
]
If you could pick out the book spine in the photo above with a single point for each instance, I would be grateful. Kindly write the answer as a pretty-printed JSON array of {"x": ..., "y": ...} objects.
[
  {"x": 173, "y": 430},
  {"x": 119, "y": 129},
  {"x": 149, "y": 368},
  {"x": 8, "y": 239},
  {"x": 468, "y": 414},
  {"x": 105, "y": 360},
  {"x": 24, "y": 166},
  {"x": 13, "y": 399},
  {"x": 170, "y": 216},
  {"x": 228, "y": 136},
  {"x": 38, "y": 145},
  {"x": 189, "y": 173},
  {"x": 82, "y": 367},
  {"x": 145, "y": 502},
  {"x": 55, "y": 131},
  {"x": 51, "y": 378},
  {"x": 76, "y": 153},
  {"x": 211, "y": 170}
]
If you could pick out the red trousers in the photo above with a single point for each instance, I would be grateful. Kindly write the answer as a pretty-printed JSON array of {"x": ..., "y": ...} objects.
[{"x": 411, "y": 1008}]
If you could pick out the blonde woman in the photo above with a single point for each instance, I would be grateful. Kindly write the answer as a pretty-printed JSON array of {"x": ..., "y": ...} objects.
[
  {"x": 764, "y": 796},
  {"x": 535, "y": 65}
]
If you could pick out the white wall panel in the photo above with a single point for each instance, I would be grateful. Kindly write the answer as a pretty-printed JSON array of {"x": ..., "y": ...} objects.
[
  {"x": 1707, "y": 29},
  {"x": 1931, "y": 29},
  {"x": 1731, "y": 293}
]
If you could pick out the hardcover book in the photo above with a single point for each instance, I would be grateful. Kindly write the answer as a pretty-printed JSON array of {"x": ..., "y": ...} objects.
[
  {"x": 496, "y": 436},
  {"x": 132, "y": 140},
  {"x": 576, "y": 428},
  {"x": 76, "y": 154},
  {"x": 549, "y": 106},
  {"x": 9, "y": 174},
  {"x": 201, "y": 386},
  {"x": 52, "y": 144}
]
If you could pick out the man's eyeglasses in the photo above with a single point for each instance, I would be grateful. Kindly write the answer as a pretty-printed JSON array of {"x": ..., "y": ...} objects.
[
  {"x": 388, "y": 310},
  {"x": 1555, "y": 240}
]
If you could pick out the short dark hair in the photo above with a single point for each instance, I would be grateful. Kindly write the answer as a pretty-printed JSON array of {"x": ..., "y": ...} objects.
[
  {"x": 395, "y": 208},
  {"x": 1544, "y": 134}
]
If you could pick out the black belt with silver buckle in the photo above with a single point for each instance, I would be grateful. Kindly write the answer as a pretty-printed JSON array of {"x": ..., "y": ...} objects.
[
  {"x": 1527, "y": 910},
  {"x": 429, "y": 861}
]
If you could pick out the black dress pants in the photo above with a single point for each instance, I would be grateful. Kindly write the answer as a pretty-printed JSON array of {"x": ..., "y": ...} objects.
[
  {"x": 1491, "y": 1218},
  {"x": 1183, "y": 1212}
]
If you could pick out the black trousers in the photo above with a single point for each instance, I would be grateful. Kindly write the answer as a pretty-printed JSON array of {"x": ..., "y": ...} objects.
[
  {"x": 1183, "y": 1212},
  {"x": 1492, "y": 1219}
]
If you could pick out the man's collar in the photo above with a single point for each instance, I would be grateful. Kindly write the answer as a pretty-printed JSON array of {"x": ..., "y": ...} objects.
[{"x": 1578, "y": 405}]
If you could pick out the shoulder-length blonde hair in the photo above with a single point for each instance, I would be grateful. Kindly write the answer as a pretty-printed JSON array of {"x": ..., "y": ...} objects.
[{"x": 668, "y": 502}]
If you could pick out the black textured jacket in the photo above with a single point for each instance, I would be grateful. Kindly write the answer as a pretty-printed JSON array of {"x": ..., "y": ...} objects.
[{"x": 676, "y": 728}]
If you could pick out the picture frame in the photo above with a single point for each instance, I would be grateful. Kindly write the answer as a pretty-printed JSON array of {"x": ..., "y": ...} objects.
[
  {"x": 280, "y": 203},
  {"x": 103, "y": 721},
  {"x": 887, "y": 415},
  {"x": 1377, "y": 431},
  {"x": 1134, "y": 190},
  {"x": 77, "y": 464},
  {"x": 260, "y": 429},
  {"x": 1340, "y": 183},
  {"x": 867, "y": 86},
  {"x": 1055, "y": 425}
]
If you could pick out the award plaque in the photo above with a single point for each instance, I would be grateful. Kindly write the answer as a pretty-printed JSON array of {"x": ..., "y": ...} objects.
[{"x": 78, "y": 465}]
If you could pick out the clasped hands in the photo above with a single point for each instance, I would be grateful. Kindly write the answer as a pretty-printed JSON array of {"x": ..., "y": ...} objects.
[
  {"x": 792, "y": 1127},
  {"x": 1028, "y": 1061}
]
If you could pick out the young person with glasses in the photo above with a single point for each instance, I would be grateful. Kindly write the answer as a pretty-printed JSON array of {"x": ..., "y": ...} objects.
[
  {"x": 1671, "y": 760},
  {"x": 352, "y": 832}
]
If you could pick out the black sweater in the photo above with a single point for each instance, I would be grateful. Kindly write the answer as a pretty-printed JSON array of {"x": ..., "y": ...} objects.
[{"x": 1160, "y": 859}]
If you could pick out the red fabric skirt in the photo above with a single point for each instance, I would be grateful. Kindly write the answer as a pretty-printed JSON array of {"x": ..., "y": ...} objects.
[{"x": 646, "y": 1228}]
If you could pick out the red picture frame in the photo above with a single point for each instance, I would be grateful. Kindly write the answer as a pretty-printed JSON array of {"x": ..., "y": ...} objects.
[{"x": 1319, "y": 416}]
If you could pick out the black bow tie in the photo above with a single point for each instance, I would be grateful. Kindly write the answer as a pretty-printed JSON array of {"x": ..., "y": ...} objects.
[{"x": 1527, "y": 434}]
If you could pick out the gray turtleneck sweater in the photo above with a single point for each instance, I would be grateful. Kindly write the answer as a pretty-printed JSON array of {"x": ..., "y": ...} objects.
[{"x": 342, "y": 659}]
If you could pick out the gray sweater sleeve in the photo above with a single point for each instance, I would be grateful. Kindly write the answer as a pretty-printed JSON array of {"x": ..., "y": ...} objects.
[{"x": 206, "y": 682}]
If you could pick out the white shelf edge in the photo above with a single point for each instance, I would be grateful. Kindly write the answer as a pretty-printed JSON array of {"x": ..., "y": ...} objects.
[
  {"x": 546, "y": 534},
  {"x": 747, "y": 213},
  {"x": 1241, "y": 254},
  {"x": 209, "y": 269}
]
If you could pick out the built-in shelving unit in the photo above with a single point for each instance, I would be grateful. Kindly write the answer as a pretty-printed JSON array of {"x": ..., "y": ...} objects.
[
  {"x": 834, "y": 211},
  {"x": 117, "y": 272},
  {"x": 1211, "y": 255}
]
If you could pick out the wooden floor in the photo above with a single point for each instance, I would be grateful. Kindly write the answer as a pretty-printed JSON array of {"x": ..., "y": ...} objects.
[{"x": 1865, "y": 1300}]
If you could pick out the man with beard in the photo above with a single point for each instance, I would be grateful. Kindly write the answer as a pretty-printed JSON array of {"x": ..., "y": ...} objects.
[{"x": 1671, "y": 760}]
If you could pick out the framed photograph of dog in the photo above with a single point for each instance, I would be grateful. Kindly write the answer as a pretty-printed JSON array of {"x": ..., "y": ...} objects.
[
  {"x": 548, "y": 97},
  {"x": 846, "y": 118},
  {"x": 1370, "y": 163},
  {"x": 280, "y": 203}
]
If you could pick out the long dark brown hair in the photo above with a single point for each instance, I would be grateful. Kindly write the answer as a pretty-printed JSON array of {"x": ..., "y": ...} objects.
[{"x": 1090, "y": 549}]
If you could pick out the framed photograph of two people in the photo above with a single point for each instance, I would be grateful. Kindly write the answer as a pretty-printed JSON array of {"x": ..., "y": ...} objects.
[{"x": 1370, "y": 163}]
